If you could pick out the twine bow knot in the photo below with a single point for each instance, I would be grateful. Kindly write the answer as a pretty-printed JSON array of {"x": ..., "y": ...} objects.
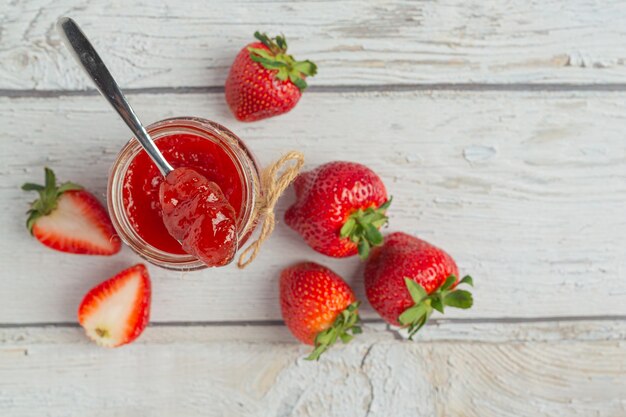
[{"x": 272, "y": 185}]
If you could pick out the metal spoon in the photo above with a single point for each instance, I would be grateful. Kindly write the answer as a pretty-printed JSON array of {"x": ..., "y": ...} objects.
[{"x": 88, "y": 58}]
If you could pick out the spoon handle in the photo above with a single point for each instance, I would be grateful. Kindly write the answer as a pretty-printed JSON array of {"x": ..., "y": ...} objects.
[{"x": 88, "y": 58}]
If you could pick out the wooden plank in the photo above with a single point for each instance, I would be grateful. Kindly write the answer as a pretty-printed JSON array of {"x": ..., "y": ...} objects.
[
  {"x": 189, "y": 373},
  {"x": 354, "y": 42},
  {"x": 525, "y": 190}
]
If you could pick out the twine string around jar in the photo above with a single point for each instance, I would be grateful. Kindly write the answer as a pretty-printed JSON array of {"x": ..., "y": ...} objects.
[{"x": 272, "y": 185}]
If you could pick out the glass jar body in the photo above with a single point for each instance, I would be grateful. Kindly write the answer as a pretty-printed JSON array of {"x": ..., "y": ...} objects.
[{"x": 246, "y": 170}]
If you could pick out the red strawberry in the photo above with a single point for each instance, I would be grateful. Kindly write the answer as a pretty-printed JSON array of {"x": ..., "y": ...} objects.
[
  {"x": 70, "y": 219},
  {"x": 116, "y": 311},
  {"x": 407, "y": 278},
  {"x": 339, "y": 209},
  {"x": 264, "y": 81},
  {"x": 318, "y": 306}
]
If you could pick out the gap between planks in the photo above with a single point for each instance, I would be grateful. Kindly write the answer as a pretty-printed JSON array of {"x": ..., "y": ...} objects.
[
  {"x": 437, "y": 331},
  {"x": 269, "y": 323},
  {"x": 382, "y": 88}
]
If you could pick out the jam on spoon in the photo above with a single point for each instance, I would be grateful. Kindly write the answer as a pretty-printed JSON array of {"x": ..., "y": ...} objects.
[{"x": 196, "y": 213}]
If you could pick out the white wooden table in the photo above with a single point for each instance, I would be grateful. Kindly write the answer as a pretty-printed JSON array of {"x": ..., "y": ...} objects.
[{"x": 498, "y": 127}]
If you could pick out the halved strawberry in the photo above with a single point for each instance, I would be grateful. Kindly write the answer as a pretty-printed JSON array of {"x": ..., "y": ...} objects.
[
  {"x": 70, "y": 219},
  {"x": 117, "y": 311}
]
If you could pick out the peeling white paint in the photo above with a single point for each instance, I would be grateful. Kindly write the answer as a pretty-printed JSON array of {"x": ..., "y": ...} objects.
[{"x": 478, "y": 153}]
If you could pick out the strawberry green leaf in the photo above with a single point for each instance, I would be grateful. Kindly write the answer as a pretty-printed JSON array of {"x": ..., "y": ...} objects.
[
  {"x": 437, "y": 302},
  {"x": 418, "y": 293},
  {"x": 414, "y": 328},
  {"x": 363, "y": 248},
  {"x": 30, "y": 221},
  {"x": 363, "y": 226},
  {"x": 448, "y": 283},
  {"x": 373, "y": 235},
  {"x": 344, "y": 328},
  {"x": 412, "y": 314},
  {"x": 467, "y": 280},
  {"x": 299, "y": 82},
  {"x": 378, "y": 223},
  {"x": 51, "y": 181},
  {"x": 269, "y": 42},
  {"x": 275, "y": 57},
  {"x": 263, "y": 53},
  {"x": 459, "y": 299},
  {"x": 268, "y": 63},
  {"x": 317, "y": 352},
  {"x": 345, "y": 337},
  {"x": 261, "y": 37},
  {"x": 282, "y": 74},
  {"x": 416, "y": 316},
  {"x": 306, "y": 68},
  {"x": 29, "y": 186},
  {"x": 281, "y": 42},
  {"x": 386, "y": 204},
  {"x": 348, "y": 227}
]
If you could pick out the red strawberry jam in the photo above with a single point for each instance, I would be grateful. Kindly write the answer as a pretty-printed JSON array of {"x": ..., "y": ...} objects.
[
  {"x": 196, "y": 213},
  {"x": 143, "y": 180}
]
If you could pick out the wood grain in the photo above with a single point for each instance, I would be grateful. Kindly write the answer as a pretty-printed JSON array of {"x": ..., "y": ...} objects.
[
  {"x": 166, "y": 44},
  {"x": 525, "y": 190},
  {"x": 196, "y": 371}
]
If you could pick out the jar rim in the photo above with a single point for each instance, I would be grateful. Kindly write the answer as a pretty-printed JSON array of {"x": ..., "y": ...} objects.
[{"x": 234, "y": 147}]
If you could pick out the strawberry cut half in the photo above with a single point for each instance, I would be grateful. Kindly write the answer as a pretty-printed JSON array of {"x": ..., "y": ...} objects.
[
  {"x": 68, "y": 218},
  {"x": 117, "y": 311}
]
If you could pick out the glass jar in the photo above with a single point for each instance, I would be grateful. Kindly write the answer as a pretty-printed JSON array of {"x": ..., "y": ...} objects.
[{"x": 241, "y": 157}]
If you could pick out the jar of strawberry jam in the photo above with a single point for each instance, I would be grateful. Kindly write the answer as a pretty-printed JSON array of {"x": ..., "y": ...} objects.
[{"x": 133, "y": 190}]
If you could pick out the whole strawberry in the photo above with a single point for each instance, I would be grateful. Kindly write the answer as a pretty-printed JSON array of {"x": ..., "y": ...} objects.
[
  {"x": 68, "y": 218},
  {"x": 265, "y": 81},
  {"x": 339, "y": 209},
  {"x": 318, "y": 306},
  {"x": 407, "y": 278}
]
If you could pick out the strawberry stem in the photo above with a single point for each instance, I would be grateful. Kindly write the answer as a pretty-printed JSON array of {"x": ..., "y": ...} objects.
[
  {"x": 344, "y": 328},
  {"x": 362, "y": 228},
  {"x": 285, "y": 65},
  {"x": 417, "y": 315},
  {"x": 48, "y": 196}
]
